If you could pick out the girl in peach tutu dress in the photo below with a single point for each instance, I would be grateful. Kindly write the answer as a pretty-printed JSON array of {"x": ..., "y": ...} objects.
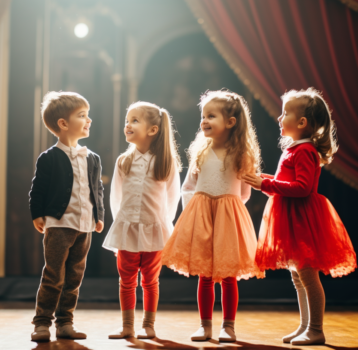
[
  {"x": 300, "y": 230},
  {"x": 214, "y": 236}
]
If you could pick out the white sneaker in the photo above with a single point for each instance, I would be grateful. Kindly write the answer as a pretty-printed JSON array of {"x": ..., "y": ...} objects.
[
  {"x": 70, "y": 332},
  {"x": 41, "y": 333}
]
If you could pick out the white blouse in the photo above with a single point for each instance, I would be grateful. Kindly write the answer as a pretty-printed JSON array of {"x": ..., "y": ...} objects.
[
  {"x": 143, "y": 208},
  {"x": 213, "y": 180},
  {"x": 79, "y": 212}
]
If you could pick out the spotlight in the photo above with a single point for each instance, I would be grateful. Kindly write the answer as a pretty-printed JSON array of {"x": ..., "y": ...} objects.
[{"x": 81, "y": 30}]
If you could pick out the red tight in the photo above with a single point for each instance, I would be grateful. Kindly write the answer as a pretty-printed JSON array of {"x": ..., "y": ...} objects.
[
  {"x": 206, "y": 297},
  {"x": 149, "y": 264}
]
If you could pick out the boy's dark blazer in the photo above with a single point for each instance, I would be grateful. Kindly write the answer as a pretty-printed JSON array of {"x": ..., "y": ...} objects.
[{"x": 52, "y": 185}]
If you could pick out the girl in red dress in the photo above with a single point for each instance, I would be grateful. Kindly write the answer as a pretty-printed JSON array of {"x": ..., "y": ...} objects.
[{"x": 300, "y": 229}]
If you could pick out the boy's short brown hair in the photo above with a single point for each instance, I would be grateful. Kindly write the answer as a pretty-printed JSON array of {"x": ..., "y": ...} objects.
[{"x": 58, "y": 105}]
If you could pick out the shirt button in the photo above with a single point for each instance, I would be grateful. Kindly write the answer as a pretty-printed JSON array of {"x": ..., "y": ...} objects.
[
  {"x": 68, "y": 190},
  {"x": 64, "y": 205}
]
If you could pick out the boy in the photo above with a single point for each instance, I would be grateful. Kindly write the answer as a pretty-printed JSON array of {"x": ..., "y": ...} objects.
[{"x": 66, "y": 203}]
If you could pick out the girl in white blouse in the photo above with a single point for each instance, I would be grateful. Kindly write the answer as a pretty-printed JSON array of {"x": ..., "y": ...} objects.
[
  {"x": 214, "y": 236},
  {"x": 144, "y": 197}
]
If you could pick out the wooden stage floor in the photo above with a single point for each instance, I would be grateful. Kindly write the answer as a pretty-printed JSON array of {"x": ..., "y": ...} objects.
[{"x": 255, "y": 329}]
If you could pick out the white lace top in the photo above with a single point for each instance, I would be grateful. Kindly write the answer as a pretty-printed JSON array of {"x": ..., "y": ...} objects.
[
  {"x": 143, "y": 208},
  {"x": 214, "y": 181}
]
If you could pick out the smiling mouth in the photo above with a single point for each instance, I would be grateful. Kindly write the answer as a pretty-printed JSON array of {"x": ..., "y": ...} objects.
[
  {"x": 87, "y": 129},
  {"x": 208, "y": 128},
  {"x": 129, "y": 132}
]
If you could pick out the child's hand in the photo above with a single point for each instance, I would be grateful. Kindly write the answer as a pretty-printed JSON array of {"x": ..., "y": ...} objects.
[
  {"x": 99, "y": 226},
  {"x": 253, "y": 180},
  {"x": 39, "y": 224}
]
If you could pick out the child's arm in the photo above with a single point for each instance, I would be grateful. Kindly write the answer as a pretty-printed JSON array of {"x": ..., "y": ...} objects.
[
  {"x": 245, "y": 191},
  {"x": 116, "y": 191},
  {"x": 173, "y": 192},
  {"x": 40, "y": 184},
  {"x": 305, "y": 164},
  {"x": 267, "y": 176},
  {"x": 100, "y": 211},
  {"x": 188, "y": 188}
]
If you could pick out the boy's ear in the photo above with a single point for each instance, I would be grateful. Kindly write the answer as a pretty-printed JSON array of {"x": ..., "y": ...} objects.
[
  {"x": 153, "y": 130},
  {"x": 302, "y": 123},
  {"x": 231, "y": 123},
  {"x": 62, "y": 124}
]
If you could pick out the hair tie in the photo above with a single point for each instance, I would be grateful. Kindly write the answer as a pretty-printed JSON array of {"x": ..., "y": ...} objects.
[{"x": 160, "y": 112}]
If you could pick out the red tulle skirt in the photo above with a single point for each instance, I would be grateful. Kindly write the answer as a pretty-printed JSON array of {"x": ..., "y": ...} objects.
[{"x": 304, "y": 232}]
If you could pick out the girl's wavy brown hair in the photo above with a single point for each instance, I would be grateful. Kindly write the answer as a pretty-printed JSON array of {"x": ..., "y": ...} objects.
[
  {"x": 163, "y": 146},
  {"x": 321, "y": 128},
  {"x": 242, "y": 145}
]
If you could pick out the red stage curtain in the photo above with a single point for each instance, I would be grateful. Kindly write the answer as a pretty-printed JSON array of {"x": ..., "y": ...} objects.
[{"x": 278, "y": 45}]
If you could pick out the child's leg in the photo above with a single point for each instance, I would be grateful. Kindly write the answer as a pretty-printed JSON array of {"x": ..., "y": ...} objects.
[
  {"x": 230, "y": 300},
  {"x": 75, "y": 269},
  {"x": 206, "y": 300},
  {"x": 150, "y": 266},
  {"x": 303, "y": 305},
  {"x": 57, "y": 243},
  {"x": 316, "y": 304},
  {"x": 128, "y": 265}
]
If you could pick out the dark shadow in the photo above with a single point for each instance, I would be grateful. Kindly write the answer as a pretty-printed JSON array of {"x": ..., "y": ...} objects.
[
  {"x": 60, "y": 344},
  {"x": 334, "y": 347},
  {"x": 247, "y": 346},
  {"x": 164, "y": 344}
]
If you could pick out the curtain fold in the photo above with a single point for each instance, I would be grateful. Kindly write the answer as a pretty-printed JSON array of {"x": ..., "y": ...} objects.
[{"x": 277, "y": 45}]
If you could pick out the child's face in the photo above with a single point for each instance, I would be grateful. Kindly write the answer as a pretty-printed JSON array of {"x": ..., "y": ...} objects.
[
  {"x": 137, "y": 130},
  {"x": 213, "y": 123},
  {"x": 290, "y": 123},
  {"x": 79, "y": 123}
]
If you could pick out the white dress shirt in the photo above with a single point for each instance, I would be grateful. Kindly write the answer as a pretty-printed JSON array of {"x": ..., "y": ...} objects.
[
  {"x": 214, "y": 181},
  {"x": 79, "y": 212},
  {"x": 143, "y": 208}
]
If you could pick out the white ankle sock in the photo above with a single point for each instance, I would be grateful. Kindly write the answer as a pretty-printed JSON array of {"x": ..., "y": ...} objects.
[
  {"x": 147, "y": 331},
  {"x": 127, "y": 330},
  {"x": 309, "y": 337},
  {"x": 204, "y": 332},
  {"x": 227, "y": 332}
]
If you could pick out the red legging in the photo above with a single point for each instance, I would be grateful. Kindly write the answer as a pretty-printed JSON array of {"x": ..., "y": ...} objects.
[
  {"x": 149, "y": 264},
  {"x": 206, "y": 297}
]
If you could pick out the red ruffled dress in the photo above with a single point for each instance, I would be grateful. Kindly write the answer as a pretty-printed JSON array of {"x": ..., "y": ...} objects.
[{"x": 300, "y": 228}]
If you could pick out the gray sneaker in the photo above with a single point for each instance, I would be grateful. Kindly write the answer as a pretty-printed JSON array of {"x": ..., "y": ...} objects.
[{"x": 41, "y": 333}]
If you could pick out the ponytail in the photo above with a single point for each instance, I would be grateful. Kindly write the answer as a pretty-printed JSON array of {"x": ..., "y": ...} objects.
[{"x": 161, "y": 147}]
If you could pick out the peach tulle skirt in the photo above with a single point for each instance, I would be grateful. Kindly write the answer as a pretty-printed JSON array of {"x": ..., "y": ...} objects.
[{"x": 214, "y": 237}]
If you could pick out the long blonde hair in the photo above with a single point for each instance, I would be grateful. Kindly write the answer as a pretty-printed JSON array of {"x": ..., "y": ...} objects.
[
  {"x": 242, "y": 145},
  {"x": 163, "y": 146},
  {"x": 322, "y": 128}
]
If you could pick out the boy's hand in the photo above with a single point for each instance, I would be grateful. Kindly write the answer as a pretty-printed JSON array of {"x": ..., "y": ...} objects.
[
  {"x": 253, "y": 180},
  {"x": 39, "y": 224},
  {"x": 99, "y": 226}
]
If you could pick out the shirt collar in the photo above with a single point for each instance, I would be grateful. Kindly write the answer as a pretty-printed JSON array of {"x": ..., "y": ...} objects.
[
  {"x": 297, "y": 142},
  {"x": 65, "y": 148},
  {"x": 146, "y": 156}
]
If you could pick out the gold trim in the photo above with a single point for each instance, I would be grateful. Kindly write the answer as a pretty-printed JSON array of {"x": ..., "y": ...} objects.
[
  {"x": 352, "y": 4},
  {"x": 249, "y": 81}
]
